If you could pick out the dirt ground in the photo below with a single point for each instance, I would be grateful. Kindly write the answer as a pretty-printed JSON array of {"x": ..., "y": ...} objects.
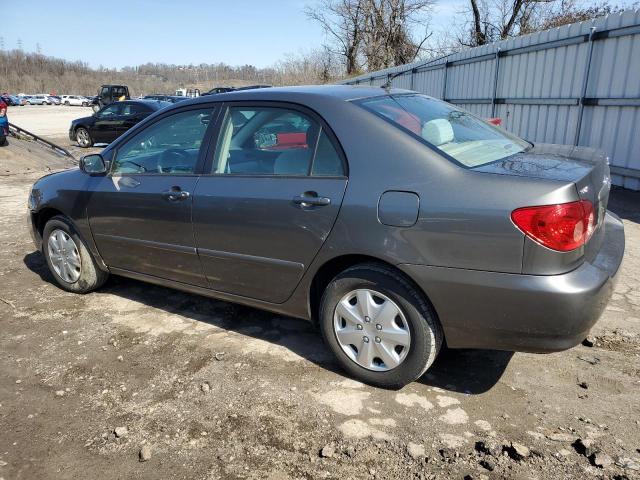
[
  {"x": 210, "y": 390},
  {"x": 49, "y": 121}
]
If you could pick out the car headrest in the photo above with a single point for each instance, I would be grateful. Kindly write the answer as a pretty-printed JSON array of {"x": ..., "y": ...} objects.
[
  {"x": 438, "y": 131},
  {"x": 292, "y": 162}
]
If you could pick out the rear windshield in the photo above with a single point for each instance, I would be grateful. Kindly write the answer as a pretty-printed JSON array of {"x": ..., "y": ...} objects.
[{"x": 461, "y": 136}]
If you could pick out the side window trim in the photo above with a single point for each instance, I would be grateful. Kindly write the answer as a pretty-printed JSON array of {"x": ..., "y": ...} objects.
[
  {"x": 205, "y": 148},
  {"x": 324, "y": 127},
  {"x": 315, "y": 151}
]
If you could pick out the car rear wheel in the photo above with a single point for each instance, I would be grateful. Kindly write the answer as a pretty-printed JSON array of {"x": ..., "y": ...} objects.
[
  {"x": 382, "y": 330},
  {"x": 85, "y": 104},
  {"x": 68, "y": 258},
  {"x": 66, "y": 103},
  {"x": 83, "y": 137}
]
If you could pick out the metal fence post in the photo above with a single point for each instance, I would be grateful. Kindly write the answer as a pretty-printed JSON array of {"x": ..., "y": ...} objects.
[
  {"x": 444, "y": 82},
  {"x": 585, "y": 84},
  {"x": 495, "y": 84},
  {"x": 411, "y": 81}
]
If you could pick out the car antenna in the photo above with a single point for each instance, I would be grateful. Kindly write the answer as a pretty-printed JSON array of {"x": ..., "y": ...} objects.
[{"x": 387, "y": 84}]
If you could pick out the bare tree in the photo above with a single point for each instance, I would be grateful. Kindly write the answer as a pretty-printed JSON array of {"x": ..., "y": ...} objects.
[
  {"x": 388, "y": 39},
  {"x": 487, "y": 21},
  {"x": 343, "y": 21},
  {"x": 373, "y": 34}
]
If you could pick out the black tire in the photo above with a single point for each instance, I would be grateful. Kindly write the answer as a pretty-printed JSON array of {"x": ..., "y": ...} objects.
[
  {"x": 89, "y": 142},
  {"x": 91, "y": 276},
  {"x": 425, "y": 330},
  {"x": 85, "y": 104},
  {"x": 66, "y": 103}
]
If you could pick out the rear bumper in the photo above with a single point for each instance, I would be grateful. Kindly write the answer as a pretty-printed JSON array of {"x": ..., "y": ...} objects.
[{"x": 530, "y": 313}]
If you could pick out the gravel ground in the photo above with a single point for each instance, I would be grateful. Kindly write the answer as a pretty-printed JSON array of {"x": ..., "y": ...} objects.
[
  {"x": 49, "y": 121},
  {"x": 138, "y": 381}
]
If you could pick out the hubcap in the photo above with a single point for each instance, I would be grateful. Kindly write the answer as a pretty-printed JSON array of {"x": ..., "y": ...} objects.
[
  {"x": 83, "y": 137},
  {"x": 364, "y": 315},
  {"x": 64, "y": 256}
]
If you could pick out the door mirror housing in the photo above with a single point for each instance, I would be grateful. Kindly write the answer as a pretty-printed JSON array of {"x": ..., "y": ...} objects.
[{"x": 93, "y": 164}]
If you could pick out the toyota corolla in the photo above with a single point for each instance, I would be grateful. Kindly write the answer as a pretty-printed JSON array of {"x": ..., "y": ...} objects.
[{"x": 393, "y": 221}]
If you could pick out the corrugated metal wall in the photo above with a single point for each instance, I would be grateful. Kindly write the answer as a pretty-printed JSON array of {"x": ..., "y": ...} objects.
[{"x": 577, "y": 84}]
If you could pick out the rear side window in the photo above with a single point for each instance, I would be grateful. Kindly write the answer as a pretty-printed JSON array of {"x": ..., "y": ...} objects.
[
  {"x": 133, "y": 109},
  {"x": 274, "y": 141},
  {"x": 327, "y": 162},
  {"x": 458, "y": 134}
]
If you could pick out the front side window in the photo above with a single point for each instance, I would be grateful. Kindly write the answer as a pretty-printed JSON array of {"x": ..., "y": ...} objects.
[
  {"x": 273, "y": 141},
  {"x": 169, "y": 146},
  {"x": 467, "y": 139}
]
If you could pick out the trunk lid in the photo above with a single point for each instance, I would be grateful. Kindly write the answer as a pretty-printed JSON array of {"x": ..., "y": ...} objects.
[{"x": 587, "y": 168}]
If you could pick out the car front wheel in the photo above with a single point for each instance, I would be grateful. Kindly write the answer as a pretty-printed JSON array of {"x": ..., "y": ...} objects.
[
  {"x": 83, "y": 137},
  {"x": 380, "y": 327},
  {"x": 69, "y": 259}
]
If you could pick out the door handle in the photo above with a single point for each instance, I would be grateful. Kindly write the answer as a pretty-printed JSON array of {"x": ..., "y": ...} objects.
[
  {"x": 175, "y": 194},
  {"x": 308, "y": 199}
]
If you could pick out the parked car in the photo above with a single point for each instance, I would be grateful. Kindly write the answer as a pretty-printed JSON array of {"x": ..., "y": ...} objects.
[
  {"x": 36, "y": 99},
  {"x": 76, "y": 100},
  {"x": 109, "y": 94},
  {"x": 215, "y": 90},
  {"x": 165, "y": 98},
  {"x": 53, "y": 100},
  {"x": 112, "y": 121},
  {"x": 392, "y": 220},
  {"x": 17, "y": 101}
]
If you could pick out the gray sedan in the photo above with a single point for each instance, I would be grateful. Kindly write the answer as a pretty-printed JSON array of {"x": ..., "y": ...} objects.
[{"x": 393, "y": 221}]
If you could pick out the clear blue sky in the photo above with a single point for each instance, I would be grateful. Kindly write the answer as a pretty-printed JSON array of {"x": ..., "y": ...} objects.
[{"x": 116, "y": 33}]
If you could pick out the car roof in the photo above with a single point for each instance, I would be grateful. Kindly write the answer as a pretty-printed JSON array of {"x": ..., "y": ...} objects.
[
  {"x": 155, "y": 104},
  {"x": 336, "y": 92}
]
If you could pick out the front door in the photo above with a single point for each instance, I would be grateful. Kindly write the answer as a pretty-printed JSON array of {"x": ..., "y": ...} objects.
[
  {"x": 271, "y": 198},
  {"x": 140, "y": 214}
]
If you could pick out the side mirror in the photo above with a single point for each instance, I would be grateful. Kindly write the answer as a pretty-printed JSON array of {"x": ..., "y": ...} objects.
[{"x": 93, "y": 164}]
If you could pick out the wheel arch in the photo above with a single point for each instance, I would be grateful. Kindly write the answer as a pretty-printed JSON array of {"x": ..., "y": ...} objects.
[
  {"x": 42, "y": 216},
  {"x": 334, "y": 266}
]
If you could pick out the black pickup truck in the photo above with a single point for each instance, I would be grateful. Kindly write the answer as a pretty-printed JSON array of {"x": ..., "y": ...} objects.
[{"x": 108, "y": 94}]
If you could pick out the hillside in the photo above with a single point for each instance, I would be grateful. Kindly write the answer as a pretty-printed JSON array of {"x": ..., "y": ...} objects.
[{"x": 35, "y": 73}]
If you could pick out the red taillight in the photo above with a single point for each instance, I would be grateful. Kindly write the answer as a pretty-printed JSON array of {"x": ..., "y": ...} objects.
[
  {"x": 561, "y": 227},
  {"x": 495, "y": 121}
]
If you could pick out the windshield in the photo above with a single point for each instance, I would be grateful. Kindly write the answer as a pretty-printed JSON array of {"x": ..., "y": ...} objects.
[{"x": 467, "y": 139}]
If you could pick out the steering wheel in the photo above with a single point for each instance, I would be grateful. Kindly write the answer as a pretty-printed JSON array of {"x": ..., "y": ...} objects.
[{"x": 167, "y": 161}]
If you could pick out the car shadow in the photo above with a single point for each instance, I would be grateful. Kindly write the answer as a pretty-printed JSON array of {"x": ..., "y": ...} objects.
[
  {"x": 467, "y": 371},
  {"x": 464, "y": 371},
  {"x": 625, "y": 204}
]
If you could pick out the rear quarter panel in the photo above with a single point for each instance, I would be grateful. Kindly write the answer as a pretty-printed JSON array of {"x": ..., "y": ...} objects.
[{"x": 464, "y": 218}]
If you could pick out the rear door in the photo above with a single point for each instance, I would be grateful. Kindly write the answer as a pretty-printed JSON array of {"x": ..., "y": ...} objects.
[
  {"x": 132, "y": 113},
  {"x": 268, "y": 200}
]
